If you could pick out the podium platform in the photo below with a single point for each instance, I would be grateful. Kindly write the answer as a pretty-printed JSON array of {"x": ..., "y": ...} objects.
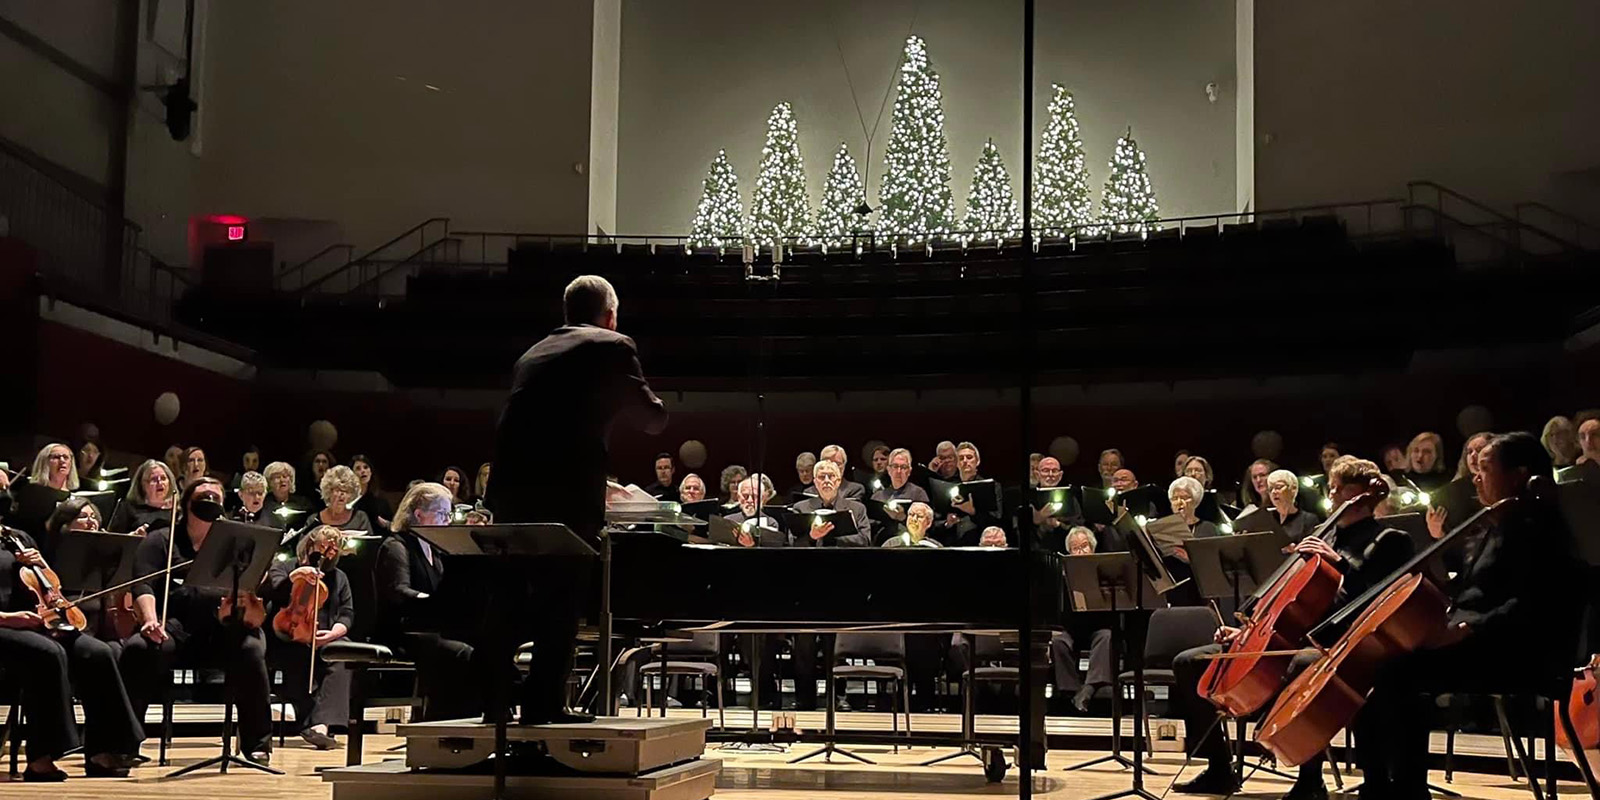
[{"x": 612, "y": 758}]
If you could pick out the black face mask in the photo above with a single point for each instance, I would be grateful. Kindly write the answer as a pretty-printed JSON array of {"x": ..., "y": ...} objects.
[{"x": 206, "y": 510}]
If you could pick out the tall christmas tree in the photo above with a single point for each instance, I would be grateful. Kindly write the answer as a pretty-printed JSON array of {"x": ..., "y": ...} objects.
[
  {"x": 1129, "y": 202},
  {"x": 781, "y": 208},
  {"x": 915, "y": 193},
  {"x": 991, "y": 205},
  {"x": 837, "y": 220},
  {"x": 1061, "y": 202},
  {"x": 719, "y": 219}
]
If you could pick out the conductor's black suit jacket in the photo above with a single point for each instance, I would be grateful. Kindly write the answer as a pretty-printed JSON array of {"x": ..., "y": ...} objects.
[{"x": 550, "y": 446}]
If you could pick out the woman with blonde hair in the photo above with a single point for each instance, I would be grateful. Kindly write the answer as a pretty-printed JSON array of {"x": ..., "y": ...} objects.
[
  {"x": 340, "y": 487},
  {"x": 148, "y": 503},
  {"x": 52, "y": 479},
  {"x": 326, "y": 706}
]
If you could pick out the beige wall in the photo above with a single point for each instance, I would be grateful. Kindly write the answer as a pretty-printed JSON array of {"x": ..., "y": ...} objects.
[{"x": 698, "y": 75}]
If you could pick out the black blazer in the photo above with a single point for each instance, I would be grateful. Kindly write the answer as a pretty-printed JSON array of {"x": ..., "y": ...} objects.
[{"x": 566, "y": 393}]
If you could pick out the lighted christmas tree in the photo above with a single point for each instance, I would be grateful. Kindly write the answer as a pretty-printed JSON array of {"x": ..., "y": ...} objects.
[
  {"x": 1129, "y": 202},
  {"x": 781, "y": 209},
  {"x": 719, "y": 219},
  {"x": 837, "y": 220},
  {"x": 1061, "y": 202},
  {"x": 991, "y": 205},
  {"x": 915, "y": 193}
]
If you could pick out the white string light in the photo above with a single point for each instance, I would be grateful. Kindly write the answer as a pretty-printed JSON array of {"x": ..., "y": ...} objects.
[
  {"x": 841, "y": 196},
  {"x": 915, "y": 192},
  {"x": 1129, "y": 202},
  {"x": 781, "y": 208},
  {"x": 1061, "y": 202},
  {"x": 718, "y": 219},
  {"x": 991, "y": 206}
]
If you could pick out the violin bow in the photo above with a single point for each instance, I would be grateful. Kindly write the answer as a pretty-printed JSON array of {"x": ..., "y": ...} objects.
[{"x": 172, "y": 537}]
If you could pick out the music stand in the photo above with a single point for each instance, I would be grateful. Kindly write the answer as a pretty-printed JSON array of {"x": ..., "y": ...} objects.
[
  {"x": 506, "y": 546},
  {"x": 234, "y": 558},
  {"x": 1100, "y": 582},
  {"x": 1232, "y": 567},
  {"x": 92, "y": 561}
]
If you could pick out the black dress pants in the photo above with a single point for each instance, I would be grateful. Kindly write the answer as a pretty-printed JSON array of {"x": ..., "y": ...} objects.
[
  {"x": 445, "y": 678},
  {"x": 328, "y": 701},
  {"x": 1202, "y": 719},
  {"x": 1064, "y": 659},
  {"x": 239, "y": 651},
  {"x": 48, "y": 669},
  {"x": 518, "y": 604}
]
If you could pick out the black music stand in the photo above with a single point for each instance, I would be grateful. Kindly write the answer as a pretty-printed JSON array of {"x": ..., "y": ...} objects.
[
  {"x": 233, "y": 559},
  {"x": 1232, "y": 567},
  {"x": 509, "y": 545},
  {"x": 1102, "y": 582},
  {"x": 92, "y": 561}
]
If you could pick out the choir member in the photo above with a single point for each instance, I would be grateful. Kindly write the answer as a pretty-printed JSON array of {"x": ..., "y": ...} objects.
[
  {"x": 966, "y": 520},
  {"x": 1365, "y": 552},
  {"x": 250, "y": 461},
  {"x": 1516, "y": 597},
  {"x": 1253, "y": 489},
  {"x": 569, "y": 393},
  {"x": 369, "y": 496},
  {"x": 1325, "y": 456},
  {"x": 1069, "y": 679},
  {"x": 1199, "y": 468},
  {"x": 803, "y": 465},
  {"x": 173, "y": 458},
  {"x": 321, "y": 461},
  {"x": 53, "y": 477},
  {"x": 91, "y": 460},
  {"x": 1033, "y": 469},
  {"x": 663, "y": 488},
  {"x": 1180, "y": 463},
  {"x": 1395, "y": 460},
  {"x": 944, "y": 461},
  {"x": 252, "y": 494},
  {"x": 339, "y": 490},
  {"x": 1589, "y": 442},
  {"x": 900, "y": 486},
  {"x": 49, "y": 669},
  {"x": 880, "y": 459},
  {"x": 316, "y": 710},
  {"x": 919, "y": 518},
  {"x": 407, "y": 575},
  {"x": 728, "y": 482},
  {"x": 1466, "y": 471},
  {"x": 480, "y": 484},
  {"x": 1110, "y": 462},
  {"x": 753, "y": 493},
  {"x": 847, "y": 487},
  {"x": 195, "y": 466},
  {"x": 1560, "y": 440},
  {"x": 1425, "y": 462},
  {"x": 1050, "y": 474},
  {"x": 1283, "y": 488},
  {"x": 454, "y": 479},
  {"x": 280, "y": 477},
  {"x": 149, "y": 501},
  {"x": 831, "y": 497},
  {"x": 192, "y": 624},
  {"x": 692, "y": 489},
  {"x": 993, "y": 536}
]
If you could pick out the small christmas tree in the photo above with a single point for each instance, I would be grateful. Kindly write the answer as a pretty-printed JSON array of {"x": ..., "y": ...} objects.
[
  {"x": 837, "y": 221},
  {"x": 1129, "y": 202},
  {"x": 915, "y": 193},
  {"x": 719, "y": 219},
  {"x": 1061, "y": 202},
  {"x": 991, "y": 206},
  {"x": 780, "y": 209}
]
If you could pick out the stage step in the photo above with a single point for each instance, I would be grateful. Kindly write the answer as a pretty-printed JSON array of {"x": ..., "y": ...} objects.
[
  {"x": 615, "y": 745},
  {"x": 393, "y": 780}
]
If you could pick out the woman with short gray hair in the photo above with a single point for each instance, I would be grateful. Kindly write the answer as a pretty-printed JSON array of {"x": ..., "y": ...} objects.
[{"x": 340, "y": 487}]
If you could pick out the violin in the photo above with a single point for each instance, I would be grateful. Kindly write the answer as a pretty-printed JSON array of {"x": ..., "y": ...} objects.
[
  {"x": 252, "y": 612},
  {"x": 1585, "y": 712},
  {"x": 297, "y": 621},
  {"x": 59, "y": 615},
  {"x": 1398, "y": 616},
  {"x": 1286, "y": 607}
]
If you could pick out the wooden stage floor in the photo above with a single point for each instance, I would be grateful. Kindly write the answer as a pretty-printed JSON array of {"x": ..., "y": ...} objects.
[{"x": 746, "y": 775}]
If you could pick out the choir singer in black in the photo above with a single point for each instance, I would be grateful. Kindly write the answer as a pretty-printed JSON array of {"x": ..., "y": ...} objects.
[{"x": 567, "y": 392}]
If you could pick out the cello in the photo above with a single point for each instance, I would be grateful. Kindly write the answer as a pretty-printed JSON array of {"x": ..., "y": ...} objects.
[
  {"x": 1397, "y": 616},
  {"x": 1585, "y": 712},
  {"x": 1250, "y": 672}
]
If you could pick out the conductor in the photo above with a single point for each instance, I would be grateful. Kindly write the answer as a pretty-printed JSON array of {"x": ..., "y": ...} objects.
[{"x": 567, "y": 392}]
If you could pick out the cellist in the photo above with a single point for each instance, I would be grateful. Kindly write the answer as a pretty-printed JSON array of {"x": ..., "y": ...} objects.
[
  {"x": 1513, "y": 623},
  {"x": 324, "y": 702},
  {"x": 1364, "y": 551}
]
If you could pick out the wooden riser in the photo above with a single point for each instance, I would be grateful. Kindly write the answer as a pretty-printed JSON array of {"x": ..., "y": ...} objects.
[
  {"x": 613, "y": 745},
  {"x": 393, "y": 780}
]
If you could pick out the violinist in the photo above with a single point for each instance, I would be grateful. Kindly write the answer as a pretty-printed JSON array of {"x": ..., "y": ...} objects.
[
  {"x": 317, "y": 707},
  {"x": 192, "y": 624},
  {"x": 47, "y": 666},
  {"x": 1365, "y": 552},
  {"x": 407, "y": 575},
  {"x": 1511, "y": 627},
  {"x": 149, "y": 501}
]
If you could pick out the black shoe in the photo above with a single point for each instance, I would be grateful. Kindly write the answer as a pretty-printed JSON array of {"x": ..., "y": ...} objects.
[
  {"x": 1212, "y": 781},
  {"x": 1308, "y": 790},
  {"x": 36, "y": 776},
  {"x": 261, "y": 758},
  {"x": 559, "y": 717},
  {"x": 93, "y": 770}
]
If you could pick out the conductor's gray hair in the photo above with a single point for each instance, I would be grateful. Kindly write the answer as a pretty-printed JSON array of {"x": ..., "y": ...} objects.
[{"x": 587, "y": 299}]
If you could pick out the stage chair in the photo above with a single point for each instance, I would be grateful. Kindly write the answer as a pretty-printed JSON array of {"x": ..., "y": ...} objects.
[
  {"x": 699, "y": 658},
  {"x": 887, "y": 652}
]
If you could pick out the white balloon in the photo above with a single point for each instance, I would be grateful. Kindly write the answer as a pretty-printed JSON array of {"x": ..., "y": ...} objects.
[
  {"x": 693, "y": 454},
  {"x": 1064, "y": 449},
  {"x": 1267, "y": 444},
  {"x": 167, "y": 407},
  {"x": 323, "y": 435}
]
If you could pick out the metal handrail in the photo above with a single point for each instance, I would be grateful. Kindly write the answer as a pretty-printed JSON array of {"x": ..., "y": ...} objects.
[
  {"x": 1579, "y": 226},
  {"x": 349, "y": 250},
  {"x": 1518, "y": 225},
  {"x": 365, "y": 257},
  {"x": 390, "y": 268}
]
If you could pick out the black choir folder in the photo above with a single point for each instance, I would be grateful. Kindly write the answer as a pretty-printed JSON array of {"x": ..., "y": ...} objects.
[
  {"x": 724, "y": 531},
  {"x": 799, "y": 524},
  {"x": 983, "y": 494}
]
